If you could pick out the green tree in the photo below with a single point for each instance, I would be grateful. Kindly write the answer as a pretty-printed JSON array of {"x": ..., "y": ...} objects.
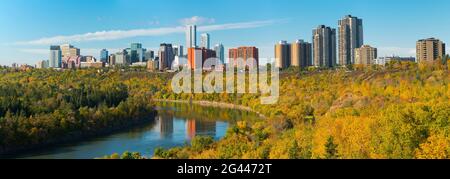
[{"x": 331, "y": 149}]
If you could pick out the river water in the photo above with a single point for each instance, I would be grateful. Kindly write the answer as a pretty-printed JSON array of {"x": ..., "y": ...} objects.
[{"x": 175, "y": 125}]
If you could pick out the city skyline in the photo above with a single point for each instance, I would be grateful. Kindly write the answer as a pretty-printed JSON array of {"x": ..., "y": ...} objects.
[{"x": 392, "y": 33}]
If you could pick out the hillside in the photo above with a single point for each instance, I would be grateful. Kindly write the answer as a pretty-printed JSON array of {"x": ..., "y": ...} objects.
[{"x": 401, "y": 111}]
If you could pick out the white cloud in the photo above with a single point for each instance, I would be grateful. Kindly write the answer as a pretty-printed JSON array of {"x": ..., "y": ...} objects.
[
  {"x": 122, "y": 34},
  {"x": 397, "y": 51},
  {"x": 197, "y": 20}
]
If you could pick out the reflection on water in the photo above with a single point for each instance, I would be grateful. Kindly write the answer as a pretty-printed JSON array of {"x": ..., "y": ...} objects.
[{"x": 175, "y": 125}]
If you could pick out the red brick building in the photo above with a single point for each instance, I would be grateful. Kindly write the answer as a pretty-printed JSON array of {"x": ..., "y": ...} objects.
[{"x": 244, "y": 53}]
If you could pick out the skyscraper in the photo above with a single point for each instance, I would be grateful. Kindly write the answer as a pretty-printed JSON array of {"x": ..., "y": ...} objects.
[
  {"x": 55, "y": 59},
  {"x": 191, "y": 36},
  {"x": 429, "y": 50},
  {"x": 104, "y": 54},
  {"x": 324, "y": 46},
  {"x": 350, "y": 37},
  {"x": 301, "y": 55},
  {"x": 166, "y": 56},
  {"x": 365, "y": 55},
  {"x": 205, "y": 41},
  {"x": 283, "y": 55},
  {"x": 220, "y": 52},
  {"x": 137, "y": 53}
]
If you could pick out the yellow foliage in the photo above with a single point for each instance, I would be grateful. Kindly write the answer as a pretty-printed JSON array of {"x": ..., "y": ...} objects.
[{"x": 435, "y": 147}]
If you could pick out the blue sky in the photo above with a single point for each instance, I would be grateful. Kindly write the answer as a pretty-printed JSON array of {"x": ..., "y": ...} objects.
[{"x": 28, "y": 27}]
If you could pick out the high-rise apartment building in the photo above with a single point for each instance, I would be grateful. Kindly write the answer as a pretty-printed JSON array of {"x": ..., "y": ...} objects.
[
  {"x": 220, "y": 52},
  {"x": 350, "y": 37},
  {"x": 365, "y": 55},
  {"x": 104, "y": 54},
  {"x": 301, "y": 54},
  {"x": 205, "y": 41},
  {"x": 283, "y": 55},
  {"x": 55, "y": 58},
  {"x": 428, "y": 50},
  {"x": 191, "y": 36},
  {"x": 166, "y": 56},
  {"x": 324, "y": 46},
  {"x": 244, "y": 53}
]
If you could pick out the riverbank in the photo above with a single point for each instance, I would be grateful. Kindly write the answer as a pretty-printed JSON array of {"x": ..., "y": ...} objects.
[
  {"x": 214, "y": 104},
  {"x": 78, "y": 136}
]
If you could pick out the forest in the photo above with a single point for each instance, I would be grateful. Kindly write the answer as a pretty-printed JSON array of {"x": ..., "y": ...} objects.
[
  {"x": 42, "y": 107},
  {"x": 400, "y": 111}
]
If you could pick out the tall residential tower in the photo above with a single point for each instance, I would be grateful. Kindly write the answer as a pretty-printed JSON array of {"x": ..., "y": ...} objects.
[
  {"x": 191, "y": 36},
  {"x": 324, "y": 46},
  {"x": 301, "y": 55},
  {"x": 429, "y": 50},
  {"x": 205, "y": 41},
  {"x": 220, "y": 52},
  {"x": 283, "y": 55},
  {"x": 350, "y": 37}
]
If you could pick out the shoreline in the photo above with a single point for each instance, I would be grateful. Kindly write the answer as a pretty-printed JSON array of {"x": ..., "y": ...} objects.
[
  {"x": 73, "y": 137},
  {"x": 222, "y": 105}
]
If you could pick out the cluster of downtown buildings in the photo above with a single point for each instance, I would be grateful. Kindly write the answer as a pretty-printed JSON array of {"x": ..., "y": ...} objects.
[
  {"x": 329, "y": 49},
  {"x": 168, "y": 57}
]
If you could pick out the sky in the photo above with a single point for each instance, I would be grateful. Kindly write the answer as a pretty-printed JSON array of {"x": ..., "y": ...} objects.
[{"x": 29, "y": 27}]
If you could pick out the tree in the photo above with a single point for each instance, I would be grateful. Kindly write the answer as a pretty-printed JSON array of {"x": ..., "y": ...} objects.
[
  {"x": 294, "y": 151},
  {"x": 200, "y": 143},
  {"x": 435, "y": 147},
  {"x": 331, "y": 149}
]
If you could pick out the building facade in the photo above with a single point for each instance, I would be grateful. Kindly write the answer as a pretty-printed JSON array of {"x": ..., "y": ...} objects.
[
  {"x": 166, "y": 56},
  {"x": 178, "y": 50},
  {"x": 244, "y": 53},
  {"x": 55, "y": 59},
  {"x": 68, "y": 50},
  {"x": 351, "y": 36},
  {"x": 205, "y": 41},
  {"x": 112, "y": 60},
  {"x": 365, "y": 55},
  {"x": 191, "y": 36},
  {"x": 220, "y": 52},
  {"x": 149, "y": 55},
  {"x": 324, "y": 46},
  {"x": 137, "y": 53},
  {"x": 104, "y": 54},
  {"x": 301, "y": 54},
  {"x": 198, "y": 56},
  {"x": 282, "y": 55},
  {"x": 429, "y": 50},
  {"x": 122, "y": 58}
]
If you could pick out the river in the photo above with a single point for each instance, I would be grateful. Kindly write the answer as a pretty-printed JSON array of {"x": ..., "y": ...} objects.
[{"x": 175, "y": 125}]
